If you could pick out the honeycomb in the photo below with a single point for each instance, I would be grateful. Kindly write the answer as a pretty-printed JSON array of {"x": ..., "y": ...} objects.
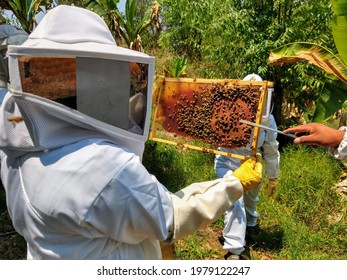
[{"x": 210, "y": 112}]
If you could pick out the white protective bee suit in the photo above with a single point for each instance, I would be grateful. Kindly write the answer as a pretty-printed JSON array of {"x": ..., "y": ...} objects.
[
  {"x": 75, "y": 185},
  {"x": 243, "y": 212},
  {"x": 341, "y": 151}
]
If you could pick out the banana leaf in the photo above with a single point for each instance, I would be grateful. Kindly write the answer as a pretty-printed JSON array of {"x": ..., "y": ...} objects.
[
  {"x": 339, "y": 27},
  {"x": 25, "y": 11},
  {"x": 330, "y": 100},
  {"x": 313, "y": 53}
]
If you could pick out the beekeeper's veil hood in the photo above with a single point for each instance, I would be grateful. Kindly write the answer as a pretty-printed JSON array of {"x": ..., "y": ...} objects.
[{"x": 70, "y": 80}]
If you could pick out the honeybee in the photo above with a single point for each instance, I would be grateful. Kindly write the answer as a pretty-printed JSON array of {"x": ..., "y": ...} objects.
[{"x": 15, "y": 119}]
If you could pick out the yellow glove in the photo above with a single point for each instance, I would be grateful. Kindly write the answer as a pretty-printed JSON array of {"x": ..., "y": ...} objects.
[
  {"x": 250, "y": 173},
  {"x": 271, "y": 187}
]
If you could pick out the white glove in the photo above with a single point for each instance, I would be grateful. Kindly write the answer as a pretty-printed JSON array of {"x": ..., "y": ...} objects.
[{"x": 202, "y": 203}]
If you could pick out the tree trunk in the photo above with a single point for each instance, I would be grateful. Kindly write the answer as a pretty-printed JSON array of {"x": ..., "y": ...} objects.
[{"x": 278, "y": 100}]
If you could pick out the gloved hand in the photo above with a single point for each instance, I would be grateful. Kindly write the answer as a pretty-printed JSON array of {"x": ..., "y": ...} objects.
[
  {"x": 271, "y": 187},
  {"x": 250, "y": 173},
  {"x": 202, "y": 203}
]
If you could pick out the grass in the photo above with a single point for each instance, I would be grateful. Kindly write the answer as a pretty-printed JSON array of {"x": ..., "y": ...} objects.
[
  {"x": 177, "y": 167},
  {"x": 306, "y": 220},
  {"x": 196, "y": 247},
  {"x": 305, "y": 205},
  {"x": 298, "y": 224}
]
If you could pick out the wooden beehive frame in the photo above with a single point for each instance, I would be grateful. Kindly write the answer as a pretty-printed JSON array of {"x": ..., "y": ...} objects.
[{"x": 161, "y": 86}]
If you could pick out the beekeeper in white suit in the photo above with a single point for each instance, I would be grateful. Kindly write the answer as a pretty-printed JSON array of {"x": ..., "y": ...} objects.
[
  {"x": 242, "y": 214},
  {"x": 74, "y": 181}
]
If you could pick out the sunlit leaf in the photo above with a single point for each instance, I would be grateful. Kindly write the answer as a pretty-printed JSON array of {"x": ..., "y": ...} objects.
[
  {"x": 25, "y": 11},
  {"x": 314, "y": 54},
  {"x": 339, "y": 27}
]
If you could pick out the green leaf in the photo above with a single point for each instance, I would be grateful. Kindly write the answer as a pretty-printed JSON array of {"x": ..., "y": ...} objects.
[
  {"x": 331, "y": 99},
  {"x": 130, "y": 11},
  {"x": 24, "y": 11},
  {"x": 179, "y": 65},
  {"x": 339, "y": 27}
]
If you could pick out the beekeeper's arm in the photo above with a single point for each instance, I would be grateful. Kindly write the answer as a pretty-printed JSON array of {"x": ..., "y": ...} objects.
[
  {"x": 321, "y": 135},
  {"x": 340, "y": 152},
  {"x": 134, "y": 206},
  {"x": 271, "y": 154},
  {"x": 271, "y": 157},
  {"x": 202, "y": 203}
]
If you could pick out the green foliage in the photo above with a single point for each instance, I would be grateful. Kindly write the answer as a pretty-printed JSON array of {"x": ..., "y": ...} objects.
[
  {"x": 194, "y": 247},
  {"x": 128, "y": 26},
  {"x": 78, "y": 3},
  {"x": 184, "y": 25},
  {"x": 150, "y": 35},
  {"x": 231, "y": 32},
  {"x": 177, "y": 168},
  {"x": 331, "y": 99},
  {"x": 333, "y": 93},
  {"x": 339, "y": 24},
  {"x": 26, "y": 10},
  {"x": 107, "y": 10},
  {"x": 177, "y": 68},
  {"x": 307, "y": 206},
  {"x": 302, "y": 190}
]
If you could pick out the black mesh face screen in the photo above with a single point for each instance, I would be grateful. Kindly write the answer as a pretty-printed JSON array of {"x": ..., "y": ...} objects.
[{"x": 70, "y": 102}]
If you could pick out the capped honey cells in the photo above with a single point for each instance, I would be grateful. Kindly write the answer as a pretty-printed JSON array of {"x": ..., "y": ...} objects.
[{"x": 211, "y": 113}]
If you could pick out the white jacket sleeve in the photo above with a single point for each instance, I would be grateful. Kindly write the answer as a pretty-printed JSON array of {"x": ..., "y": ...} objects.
[
  {"x": 341, "y": 151},
  {"x": 271, "y": 153},
  {"x": 202, "y": 203},
  {"x": 133, "y": 207}
]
